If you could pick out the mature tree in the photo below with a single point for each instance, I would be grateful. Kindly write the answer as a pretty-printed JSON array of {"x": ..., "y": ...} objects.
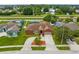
[
  {"x": 68, "y": 20},
  {"x": 37, "y": 10},
  {"x": 77, "y": 19},
  {"x": 64, "y": 9},
  {"x": 62, "y": 33},
  {"x": 67, "y": 9},
  {"x": 58, "y": 12},
  {"x": 54, "y": 19},
  {"x": 75, "y": 33},
  {"x": 71, "y": 10},
  {"x": 46, "y": 9},
  {"x": 28, "y": 11},
  {"x": 50, "y": 18}
]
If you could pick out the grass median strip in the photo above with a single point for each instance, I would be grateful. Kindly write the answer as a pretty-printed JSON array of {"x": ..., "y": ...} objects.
[{"x": 10, "y": 49}]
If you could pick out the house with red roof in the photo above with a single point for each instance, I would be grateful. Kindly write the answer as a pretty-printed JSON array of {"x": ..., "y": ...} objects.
[{"x": 41, "y": 28}]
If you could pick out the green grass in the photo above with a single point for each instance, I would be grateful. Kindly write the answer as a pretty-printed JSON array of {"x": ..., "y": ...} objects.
[
  {"x": 20, "y": 15},
  {"x": 63, "y": 15},
  {"x": 58, "y": 41},
  {"x": 63, "y": 48},
  {"x": 55, "y": 38},
  {"x": 3, "y": 22},
  {"x": 77, "y": 40},
  {"x": 19, "y": 18},
  {"x": 19, "y": 40},
  {"x": 10, "y": 49},
  {"x": 38, "y": 48}
]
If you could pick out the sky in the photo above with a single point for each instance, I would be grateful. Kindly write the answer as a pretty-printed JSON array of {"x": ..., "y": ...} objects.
[{"x": 27, "y": 2}]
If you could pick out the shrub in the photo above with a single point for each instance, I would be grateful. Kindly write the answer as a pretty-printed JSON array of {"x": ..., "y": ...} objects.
[
  {"x": 37, "y": 40},
  {"x": 78, "y": 19},
  {"x": 50, "y": 18},
  {"x": 76, "y": 33},
  {"x": 28, "y": 11},
  {"x": 68, "y": 20}
]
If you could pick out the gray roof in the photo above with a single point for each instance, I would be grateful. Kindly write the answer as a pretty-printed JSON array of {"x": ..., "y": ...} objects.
[
  {"x": 2, "y": 25},
  {"x": 10, "y": 26},
  {"x": 72, "y": 26},
  {"x": 14, "y": 28}
]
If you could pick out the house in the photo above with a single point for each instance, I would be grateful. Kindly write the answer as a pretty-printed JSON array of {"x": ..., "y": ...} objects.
[
  {"x": 2, "y": 27},
  {"x": 39, "y": 27},
  {"x": 72, "y": 26},
  {"x": 74, "y": 19},
  {"x": 10, "y": 28},
  {"x": 19, "y": 22},
  {"x": 59, "y": 24},
  {"x": 77, "y": 11},
  {"x": 52, "y": 11}
]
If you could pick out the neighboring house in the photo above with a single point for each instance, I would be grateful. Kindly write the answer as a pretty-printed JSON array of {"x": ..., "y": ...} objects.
[
  {"x": 77, "y": 11},
  {"x": 19, "y": 22},
  {"x": 59, "y": 24},
  {"x": 74, "y": 19},
  {"x": 42, "y": 10},
  {"x": 52, "y": 11},
  {"x": 10, "y": 28},
  {"x": 72, "y": 26},
  {"x": 37, "y": 27},
  {"x": 2, "y": 27}
]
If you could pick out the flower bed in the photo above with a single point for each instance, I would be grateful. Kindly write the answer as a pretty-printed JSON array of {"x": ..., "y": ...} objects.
[{"x": 39, "y": 46}]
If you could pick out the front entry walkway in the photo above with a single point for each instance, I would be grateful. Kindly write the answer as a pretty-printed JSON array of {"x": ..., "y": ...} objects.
[{"x": 27, "y": 45}]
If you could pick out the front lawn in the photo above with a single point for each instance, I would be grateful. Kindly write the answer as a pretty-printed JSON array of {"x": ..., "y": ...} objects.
[
  {"x": 57, "y": 34},
  {"x": 38, "y": 48},
  {"x": 19, "y": 40},
  {"x": 3, "y": 22},
  {"x": 10, "y": 49},
  {"x": 63, "y": 48},
  {"x": 4, "y": 41},
  {"x": 23, "y": 18},
  {"x": 77, "y": 40},
  {"x": 56, "y": 37}
]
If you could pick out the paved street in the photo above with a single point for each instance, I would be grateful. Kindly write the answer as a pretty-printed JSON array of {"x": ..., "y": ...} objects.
[{"x": 39, "y": 52}]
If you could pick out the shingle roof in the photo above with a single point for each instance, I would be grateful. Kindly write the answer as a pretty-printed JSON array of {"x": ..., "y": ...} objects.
[
  {"x": 36, "y": 26},
  {"x": 2, "y": 25},
  {"x": 10, "y": 26},
  {"x": 72, "y": 26}
]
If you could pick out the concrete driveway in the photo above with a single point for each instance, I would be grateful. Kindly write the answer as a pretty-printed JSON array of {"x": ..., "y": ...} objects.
[
  {"x": 3, "y": 34},
  {"x": 50, "y": 45},
  {"x": 27, "y": 44},
  {"x": 73, "y": 45}
]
